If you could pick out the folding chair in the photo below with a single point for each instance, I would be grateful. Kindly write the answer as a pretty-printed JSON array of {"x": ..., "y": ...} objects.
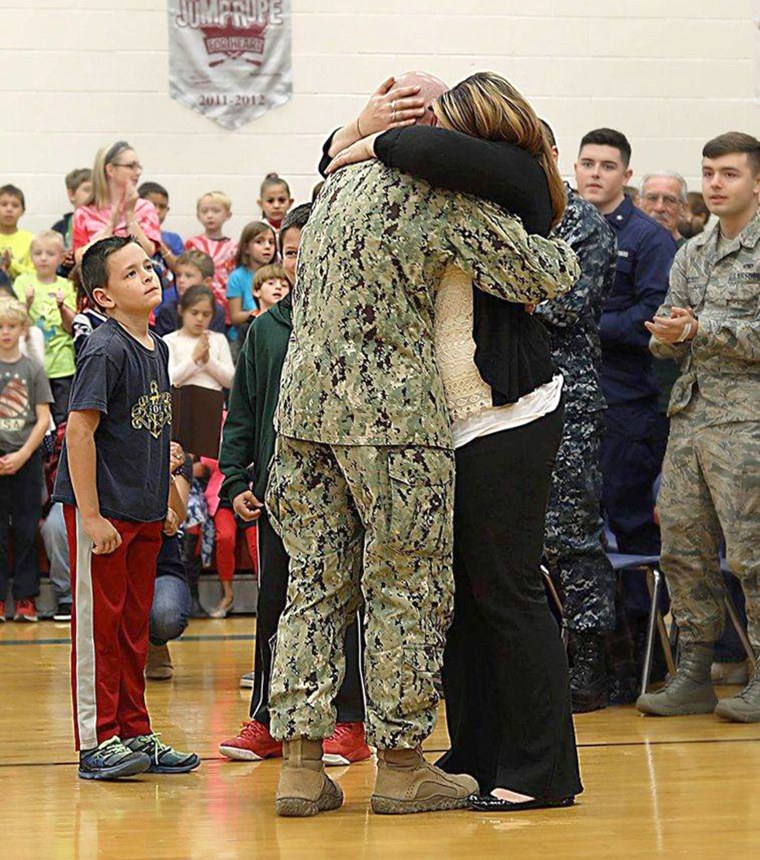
[{"x": 655, "y": 582}]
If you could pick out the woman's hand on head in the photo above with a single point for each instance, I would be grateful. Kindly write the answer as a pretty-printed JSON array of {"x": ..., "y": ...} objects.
[
  {"x": 362, "y": 150},
  {"x": 389, "y": 108}
]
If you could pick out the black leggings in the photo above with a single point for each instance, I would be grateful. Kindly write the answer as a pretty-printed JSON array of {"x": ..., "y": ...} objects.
[{"x": 505, "y": 671}]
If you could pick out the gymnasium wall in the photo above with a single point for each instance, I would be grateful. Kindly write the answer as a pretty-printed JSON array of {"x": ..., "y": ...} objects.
[{"x": 80, "y": 73}]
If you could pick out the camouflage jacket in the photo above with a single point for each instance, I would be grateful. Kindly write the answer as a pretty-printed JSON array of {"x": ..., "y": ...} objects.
[
  {"x": 572, "y": 320},
  {"x": 723, "y": 360},
  {"x": 360, "y": 368}
]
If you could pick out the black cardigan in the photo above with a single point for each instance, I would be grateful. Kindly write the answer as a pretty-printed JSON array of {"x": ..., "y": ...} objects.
[{"x": 512, "y": 350}]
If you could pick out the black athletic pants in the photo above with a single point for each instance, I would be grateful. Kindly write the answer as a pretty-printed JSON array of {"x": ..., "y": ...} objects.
[
  {"x": 20, "y": 512},
  {"x": 505, "y": 672},
  {"x": 273, "y": 588}
]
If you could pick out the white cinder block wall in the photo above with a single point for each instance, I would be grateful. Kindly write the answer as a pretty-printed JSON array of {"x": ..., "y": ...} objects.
[{"x": 81, "y": 73}]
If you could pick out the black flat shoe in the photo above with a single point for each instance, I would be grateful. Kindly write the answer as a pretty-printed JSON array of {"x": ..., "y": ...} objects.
[{"x": 489, "y": 803}]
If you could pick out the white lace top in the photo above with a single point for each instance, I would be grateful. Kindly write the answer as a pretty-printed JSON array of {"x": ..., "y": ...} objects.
[{"x": 469, "y": 398}]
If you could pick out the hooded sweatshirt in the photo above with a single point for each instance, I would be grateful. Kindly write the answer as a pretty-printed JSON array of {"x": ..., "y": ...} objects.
[{"x": 249, "y": 436}]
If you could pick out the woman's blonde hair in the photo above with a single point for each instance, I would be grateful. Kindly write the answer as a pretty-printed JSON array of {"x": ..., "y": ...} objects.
[
  {"x": 486, "y": 105},
  {"x": 105, "y": 155},
  {"x": 12, "y": 310}
]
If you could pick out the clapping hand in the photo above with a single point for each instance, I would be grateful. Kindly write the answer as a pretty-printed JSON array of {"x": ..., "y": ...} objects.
[
  {"x": 680, "y": 326},
  {"x": 201, "y": 353}
]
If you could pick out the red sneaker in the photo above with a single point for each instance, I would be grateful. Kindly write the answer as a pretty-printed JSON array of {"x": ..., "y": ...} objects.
[
  {"x": 25, "y": 611},
  {"x": 253, "y": 743},
  {"x": 347, "y": 745}
]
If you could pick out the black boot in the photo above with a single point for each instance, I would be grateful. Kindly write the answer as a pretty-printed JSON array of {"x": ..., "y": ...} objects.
[{"x": 588, "y": 676}]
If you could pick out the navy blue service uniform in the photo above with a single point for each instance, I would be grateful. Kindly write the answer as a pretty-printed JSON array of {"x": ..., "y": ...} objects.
[{"x": 634, "y": 441}]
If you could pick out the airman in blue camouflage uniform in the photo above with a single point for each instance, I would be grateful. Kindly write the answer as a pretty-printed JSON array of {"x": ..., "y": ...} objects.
[
  {"x": 573, "y": 544},
  {"x": 711, "y": 475},
  {"x": 361, "y": 488}
]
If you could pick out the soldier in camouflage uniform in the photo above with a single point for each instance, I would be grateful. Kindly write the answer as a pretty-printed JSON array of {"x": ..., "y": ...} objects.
[
  {"x": 361, "y": 488},
  {"x": 710, "y": 324},
  {"x": 573, "y": 544}
]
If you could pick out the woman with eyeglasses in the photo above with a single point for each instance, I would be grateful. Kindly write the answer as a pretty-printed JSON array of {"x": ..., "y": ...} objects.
[{"x": 114, "y": 207}]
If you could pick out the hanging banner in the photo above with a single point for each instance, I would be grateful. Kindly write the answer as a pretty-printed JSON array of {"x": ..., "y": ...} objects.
[{"x": 230, "y": 59}]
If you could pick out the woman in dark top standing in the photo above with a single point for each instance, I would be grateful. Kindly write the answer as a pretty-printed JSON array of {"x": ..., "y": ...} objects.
[{"x": 505, "y": 671}]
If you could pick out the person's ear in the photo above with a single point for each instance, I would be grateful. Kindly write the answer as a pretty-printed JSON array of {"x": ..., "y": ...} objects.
[
  {"x": 260, "y": 203},
  {"x": 628, "y": 174},
  {"x": 229, "y": 215},
  {"x": 101, "y": 298}
]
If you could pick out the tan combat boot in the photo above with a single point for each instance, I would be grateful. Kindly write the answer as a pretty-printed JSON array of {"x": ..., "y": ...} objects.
[
  {"x": 304, "y": 788},
  {"x": 407, "y": 783},
  {"x": 689, "y": 691},
  {"x": 159, "y": 666}
]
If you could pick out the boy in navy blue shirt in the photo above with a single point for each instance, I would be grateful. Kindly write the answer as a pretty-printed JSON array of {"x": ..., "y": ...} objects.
[{"x": 113, "y": 481}]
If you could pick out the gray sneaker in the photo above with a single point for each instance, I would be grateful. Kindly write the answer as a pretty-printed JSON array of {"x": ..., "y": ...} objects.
[
  {"x": 745, "y": 706},
  {"x": 689, "y": 691}
]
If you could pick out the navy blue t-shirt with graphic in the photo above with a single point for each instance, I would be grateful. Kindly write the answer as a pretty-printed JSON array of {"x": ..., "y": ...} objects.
[{"x": 129, "y": 385}]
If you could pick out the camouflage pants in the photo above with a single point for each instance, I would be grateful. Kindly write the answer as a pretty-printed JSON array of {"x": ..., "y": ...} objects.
[
  {"x": 710, "y": 490},
  {"x": 362, "y": 522},
  {"x": 573, "y": 542}
]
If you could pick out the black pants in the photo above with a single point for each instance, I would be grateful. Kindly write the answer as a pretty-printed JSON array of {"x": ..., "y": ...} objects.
[
  {"x": 505, "y": 673},
  {"x": 61, "y": 389},
  {"x": 273, "y": 589},
  {"x": 20, "y": 512},
  {"x": 632, "y": 451}
]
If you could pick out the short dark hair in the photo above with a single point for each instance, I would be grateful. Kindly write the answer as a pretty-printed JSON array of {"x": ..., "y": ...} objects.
[
  {"x": 152, "y": 188},
  {"x": 13, "y": 191},
  {"x": 77, "y": 177},
  {"x": 609, "y": 137},
  {"x": 696, "y": 203},
  {"x": 734, "y": 142},
  {"x": 193, "y": 295},
  {"x": 297, "y": 217},
  {"x": 548, "y": 133},
  {"x": 94, "y": 270},
  {"x": 202, "y": 262}
]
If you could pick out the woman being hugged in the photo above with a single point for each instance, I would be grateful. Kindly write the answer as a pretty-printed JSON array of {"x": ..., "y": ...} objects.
[{"x": 114, "y": 207}]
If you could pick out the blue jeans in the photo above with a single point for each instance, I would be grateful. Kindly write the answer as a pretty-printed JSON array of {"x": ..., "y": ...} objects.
[
  {"x": 170, "y": 611},
  {"x": 57, "y": 549}
]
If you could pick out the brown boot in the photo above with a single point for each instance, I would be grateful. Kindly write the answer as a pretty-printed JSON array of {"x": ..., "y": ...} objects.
[
  {"x": 159, "y": 666},
  {"x": 304, "y": 789},
  {"x": 407, "y": 783}
]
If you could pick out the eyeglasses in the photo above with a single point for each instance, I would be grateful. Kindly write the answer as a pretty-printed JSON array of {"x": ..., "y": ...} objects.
[
  {"x": 667, "y": 199},
  {"x": 132, "y": 165}
]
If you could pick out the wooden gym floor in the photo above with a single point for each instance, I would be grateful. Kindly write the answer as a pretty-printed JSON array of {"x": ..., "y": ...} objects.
[{"x": 682, "y": 787}]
